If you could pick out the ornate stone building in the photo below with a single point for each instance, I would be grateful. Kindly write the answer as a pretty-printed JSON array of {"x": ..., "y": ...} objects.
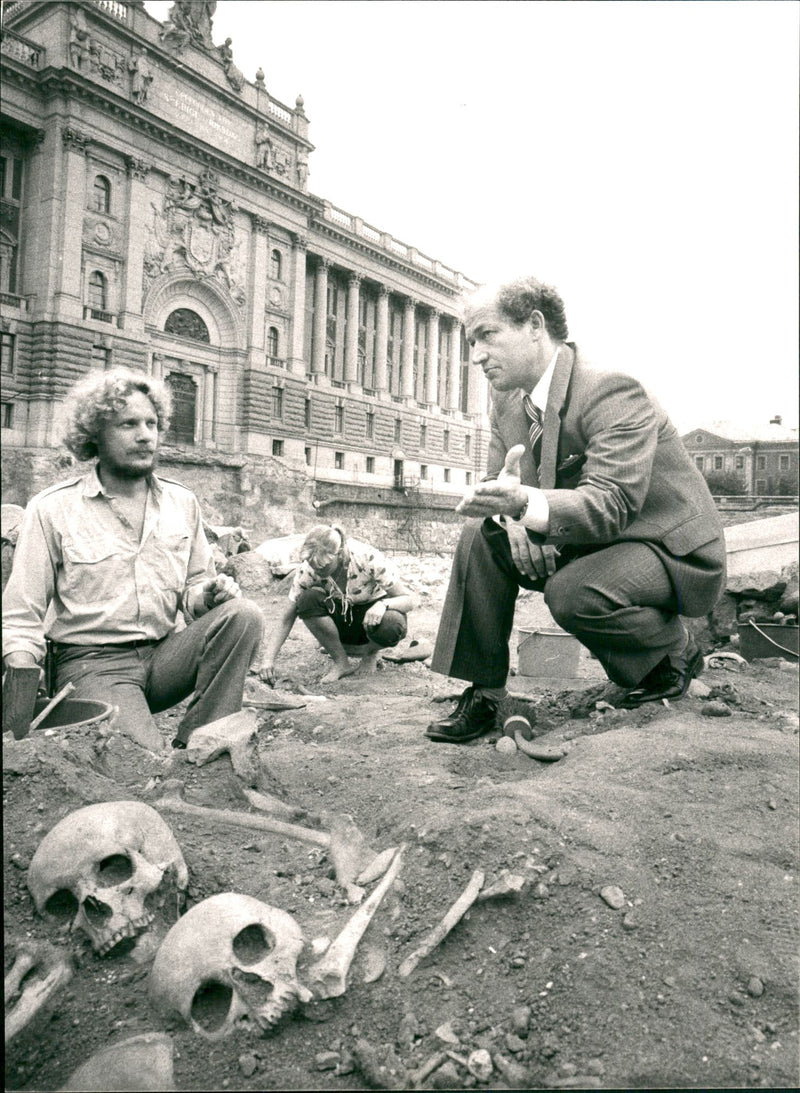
[
  {"x": 763, "y": 459},
  {"x": 156, "y": 214}
]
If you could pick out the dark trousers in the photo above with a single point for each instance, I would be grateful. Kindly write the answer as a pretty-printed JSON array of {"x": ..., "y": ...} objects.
[
  {"x": 208, "y": 660},
  {"x": 313, "y": 603},
  {"x": 621, "y": 601}
]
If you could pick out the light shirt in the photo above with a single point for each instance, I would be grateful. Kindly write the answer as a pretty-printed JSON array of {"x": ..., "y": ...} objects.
[
  {"x": 370, "y": 577},
  {"x": 536, "y": 516},
  {"x": 82, "y": 577}
]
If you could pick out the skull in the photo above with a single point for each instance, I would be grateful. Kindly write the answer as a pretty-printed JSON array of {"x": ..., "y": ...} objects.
[
  {"x": 230, "y": 960},
  {"x": 109, "y": 857}
]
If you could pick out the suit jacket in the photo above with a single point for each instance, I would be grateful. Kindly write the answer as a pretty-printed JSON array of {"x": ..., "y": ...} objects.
[{"x": 612, "y": 465}]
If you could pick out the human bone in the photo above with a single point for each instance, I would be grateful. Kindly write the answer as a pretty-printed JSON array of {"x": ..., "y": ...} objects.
[
  {"x": 143, "y": 1061},
  {"x": 230, "y": 960},
  {"x": 110, "y": 856},
  {"x": 39, "y": 970},
  {"x": 328, "y": 976}
]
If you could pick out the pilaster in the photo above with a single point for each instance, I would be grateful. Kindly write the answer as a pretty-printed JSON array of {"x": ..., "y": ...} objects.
[
  {"x": 351, "y": 333},
  {"x": 67, "y": 279},
  {"x": 382, "y": 339},
  {"x": 432, "y": 373},
  {"x": 138, "y": 207},
  {"x": 454, "y": 364},
  {"x": 257, "y": 275},
  {"x": 320, "y": 316},
  {"x": 407, "y": 388},
  {"x": 298, "y": 360}
]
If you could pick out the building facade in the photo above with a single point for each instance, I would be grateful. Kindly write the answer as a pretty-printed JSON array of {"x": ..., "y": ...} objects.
[
  {"x": 764, "y": 459},
  {"x": 156, "y": 214}
]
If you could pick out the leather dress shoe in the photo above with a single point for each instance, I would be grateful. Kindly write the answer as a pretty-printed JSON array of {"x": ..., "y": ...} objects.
[
  {"x": 669, "y": 679},
  {"x": 474, "y": 715}
]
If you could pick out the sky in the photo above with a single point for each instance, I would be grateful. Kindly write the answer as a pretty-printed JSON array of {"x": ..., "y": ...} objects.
[{"x": 640, "y": 155}]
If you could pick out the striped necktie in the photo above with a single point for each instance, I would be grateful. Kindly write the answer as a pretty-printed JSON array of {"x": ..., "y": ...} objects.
[{"x": 535, "y": 427}]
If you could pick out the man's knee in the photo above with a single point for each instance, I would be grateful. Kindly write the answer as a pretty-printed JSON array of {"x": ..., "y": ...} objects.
[
  {"x": 570, "y": 600},
  {"x": 390, "y": 630},
  {"x": 310, "y": 604},
  {"x": 244, "y": 616}
]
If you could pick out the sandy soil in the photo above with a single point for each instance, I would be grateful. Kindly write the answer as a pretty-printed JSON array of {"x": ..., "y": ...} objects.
[{"x": 690, "y": 982}]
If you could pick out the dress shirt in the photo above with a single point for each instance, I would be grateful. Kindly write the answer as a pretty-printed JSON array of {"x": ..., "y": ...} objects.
[{"x": 81, "y": 575}]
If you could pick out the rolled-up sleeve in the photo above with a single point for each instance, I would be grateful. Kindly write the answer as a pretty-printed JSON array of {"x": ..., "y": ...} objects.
[{"x": 30, "y": 587}]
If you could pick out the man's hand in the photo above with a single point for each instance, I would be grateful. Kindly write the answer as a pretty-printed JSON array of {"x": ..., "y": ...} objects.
[
  {"x": 220, "y": 589},
  {"x": 266, "y": 673},
  {"x": 374, "y": 614},
  {"x": 504, "y": 496},
  {"x": 533, "y": 559}
]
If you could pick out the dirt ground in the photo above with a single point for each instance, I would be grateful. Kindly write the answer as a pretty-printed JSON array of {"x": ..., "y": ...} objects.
[{"x": 689, "y": 981}]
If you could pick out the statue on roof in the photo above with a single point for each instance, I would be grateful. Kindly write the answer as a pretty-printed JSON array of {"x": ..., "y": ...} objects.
[{"x": 189, "y": 21}]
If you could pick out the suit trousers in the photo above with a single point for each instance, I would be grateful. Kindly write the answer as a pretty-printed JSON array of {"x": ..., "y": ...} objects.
[
  {"x": 618, "y": 600},
  {"x": 208, "y": 660}
]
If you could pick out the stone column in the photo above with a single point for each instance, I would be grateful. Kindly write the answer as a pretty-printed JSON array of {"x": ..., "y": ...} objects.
[
  {"x": 297, "y": 361},
  {"x": 131, "y": 317},
  {"x": 69, "y": 290},
  {"x": 407, "y": 389},
  {"x": 382, "y": 339},
  {"x": 478, "y": 391},
  {"x": 257, "y": 276},
  {"x": 351, "y": 333},
  {"x": 432, "y": 377},
  {"x": 320, "y": 317},
  {"x": 454, "y": 366}
]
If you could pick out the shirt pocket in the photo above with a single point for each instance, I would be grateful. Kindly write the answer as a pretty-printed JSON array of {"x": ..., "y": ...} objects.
[
  {"x": 93, "y": 570},
  {"x": 170, "y": 560}
]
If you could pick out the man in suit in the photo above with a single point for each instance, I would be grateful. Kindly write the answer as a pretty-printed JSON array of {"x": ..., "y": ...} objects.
[{"x": 590, "y": 498}]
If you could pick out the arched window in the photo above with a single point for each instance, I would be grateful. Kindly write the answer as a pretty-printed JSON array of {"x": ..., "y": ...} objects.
[
  {"x": 97, "y": 291},
  {"x": 272, "y": 342},
  {"x": 184, "y": 409},
  {"x": 275, "y": 265},
  {"x": 101, "y": 195},
  {"x": 187, "y": 324}
]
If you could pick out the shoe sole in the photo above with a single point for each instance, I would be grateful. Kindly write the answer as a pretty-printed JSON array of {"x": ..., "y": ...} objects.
[
  {"x": 445, "y": 738},
  {"x": 694, "y": 668}
]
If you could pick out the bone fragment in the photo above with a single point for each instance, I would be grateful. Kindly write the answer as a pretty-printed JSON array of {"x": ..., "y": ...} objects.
[
  {"x": 349, "y": 853},
  {"x": 265, "y": 802},
  {"x": 144, "y": 1061},
  {"x": 377, "y": 867},
  {"x": 374, "y": 964},
  {"x": 539, "y": 751},
  {"x": 377, "y": 1074},
  {"x": 709, "y": 660},
  {"x": 174, "y": 803},
  {"x": 328, "y": 976},
  {"x": 440, "y": 932},
  {"x": 418, "y": 1076},
  {"x": 507, "y": 884},
  {"x": 56, "y": 969},
  {"x": 67, "y": 689}
]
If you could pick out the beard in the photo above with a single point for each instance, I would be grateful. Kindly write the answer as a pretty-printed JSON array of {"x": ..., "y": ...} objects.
[{"x": 129, "y": 471}]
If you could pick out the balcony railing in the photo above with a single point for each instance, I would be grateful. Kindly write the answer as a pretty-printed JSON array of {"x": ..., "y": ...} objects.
[
  {"x": 276, "y": 362},
  {"x": 29, "y": 53},
  {"x": 98, "y": 315},
  {"x": 114, "y": 8}
]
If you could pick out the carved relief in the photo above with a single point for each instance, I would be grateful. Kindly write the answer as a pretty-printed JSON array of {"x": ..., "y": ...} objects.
[
  {"x": 79, "y": 40},
  {"x": 302, "y": 169},
  {"x": 270, "y": 155},
  {"x": 137, "y": 168},
  {"x": 189, "y": 21},
  {"x": 194, "y": 229},
  {"x": 234, "y": 75},
  {"x": 107, "y": 64},
  {"x": 99, "y": 233},
  {"x": 74, "y": 139}
]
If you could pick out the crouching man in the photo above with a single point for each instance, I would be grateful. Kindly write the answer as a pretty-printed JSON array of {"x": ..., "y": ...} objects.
[
  {"x": 105, "y": 562},
  {"x": 349, "y": 596}
]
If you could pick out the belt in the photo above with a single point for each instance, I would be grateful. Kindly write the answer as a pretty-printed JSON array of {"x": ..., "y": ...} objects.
[{"x": 108, "y": 644}]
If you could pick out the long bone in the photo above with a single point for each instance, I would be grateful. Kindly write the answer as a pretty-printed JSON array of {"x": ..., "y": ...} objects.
[
  {"x": 173, "y": 802},
  {"x": 56, "y": 971},
  {"x": 328, "y": 976},
  {"x": 440, "y": 932}
]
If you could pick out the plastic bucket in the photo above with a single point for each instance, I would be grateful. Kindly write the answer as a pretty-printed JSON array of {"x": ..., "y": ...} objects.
[
  {"x": 73, "y": 713},
  {"x": 765, "y": 639}
]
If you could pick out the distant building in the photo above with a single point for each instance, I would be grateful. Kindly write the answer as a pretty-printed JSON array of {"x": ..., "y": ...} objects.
[
  {"x": 763, "y": 457},
  {"x": 156, "y": 214}
]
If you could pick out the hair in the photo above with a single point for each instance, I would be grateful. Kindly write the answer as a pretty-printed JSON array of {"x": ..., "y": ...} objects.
[
  {"x": 322, "y": 537},
  {"x": 518, "y": 299},
  {"x": 101, "y": 395}
]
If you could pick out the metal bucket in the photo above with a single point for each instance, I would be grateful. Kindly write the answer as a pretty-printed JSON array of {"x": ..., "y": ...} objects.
[
  {"x": 765, "y": 639},
  {"x": 548, "y": 653},
  {"x": 73, "y": 713}
]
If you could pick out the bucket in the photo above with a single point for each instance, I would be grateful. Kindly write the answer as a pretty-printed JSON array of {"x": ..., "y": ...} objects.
[
  {"x": 767, "y": 639},
  {"x": 73, "y": 713},
  {"x": 550, "y": 653}
]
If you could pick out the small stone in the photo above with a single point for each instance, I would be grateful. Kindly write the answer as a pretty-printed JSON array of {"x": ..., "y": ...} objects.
[
  {"x": 480, "y": 1064},
  {"x": 248, "y": 1064},
  {"x": 520, "y": 1020},
  {"x": 514, "y": 1073},
  {"x": 514, "y": 1044},
  {"x": 566, "y": 1070},
  {"x": 772, "y": 804},
  {"x": 327, "y": 1060},
  {"x": 596, "y": 1066},
  {"x": 755, "y": 988},
  {"x": 505, "y": 745},
  {"x": 446, "y": 1033},
  {"x": 736, "y": 999},
  {"x": 630, "y": 921},
  {"x": 446, "y": 1077},
  {"x": 613, "y": 895},
  {"x": 540, "y": 891},
  {"x": 715, "y": 709}
]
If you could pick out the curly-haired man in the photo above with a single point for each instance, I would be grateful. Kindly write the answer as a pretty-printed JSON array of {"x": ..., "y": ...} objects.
[{"x": 105, "y": 562}]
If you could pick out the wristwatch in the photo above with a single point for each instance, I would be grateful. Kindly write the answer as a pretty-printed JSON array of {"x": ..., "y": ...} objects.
[{"x": 522, "y": 511}]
